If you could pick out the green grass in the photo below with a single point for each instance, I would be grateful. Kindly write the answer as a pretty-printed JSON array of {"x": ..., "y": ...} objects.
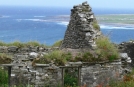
[
  {"x": 96, "y": 26},
  {"x": 106, "y": 49},
  {"x": 3, "y": 43},
  {"x": 21, "y": 44},
  {"x": 58, "y": 57},
  {"x": 3, "y": 78},
  {"x": 16, "y": 43},
  {"x": 128, "y": 81},
  {"x": 57, "y": 43}
]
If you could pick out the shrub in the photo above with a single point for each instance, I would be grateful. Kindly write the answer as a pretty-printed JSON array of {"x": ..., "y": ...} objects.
[{"x": 106, "y": 49}]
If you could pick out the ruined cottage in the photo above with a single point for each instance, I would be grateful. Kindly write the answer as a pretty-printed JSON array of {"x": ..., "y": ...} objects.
[{"x": 81, "y": 33}]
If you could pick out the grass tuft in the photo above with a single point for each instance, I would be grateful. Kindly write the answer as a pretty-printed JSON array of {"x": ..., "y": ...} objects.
[
  {"x": 96, "y": 26},
  {"x": 57, "y": 43},
  {"x": 106, "y": 49}
]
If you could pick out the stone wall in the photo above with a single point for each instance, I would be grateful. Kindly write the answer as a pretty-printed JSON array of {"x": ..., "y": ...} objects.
[
  {"x": 23, "y": 71},
  {"x": 128, "y": 47},
  {"x": 81, "y": 32}
]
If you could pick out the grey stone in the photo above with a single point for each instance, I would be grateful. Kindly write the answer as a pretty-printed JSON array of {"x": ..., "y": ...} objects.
[
  {"x": 33, "y": 55},
  {"x": 12, "y": 48},
  {"x": 24, "y": 49},
  {"x": 124, "y": 55},
  {"x": 3, "y": 49}
]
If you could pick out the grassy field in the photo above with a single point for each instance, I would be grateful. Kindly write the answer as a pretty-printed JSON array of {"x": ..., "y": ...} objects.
[{"x": 116, "y": 18}]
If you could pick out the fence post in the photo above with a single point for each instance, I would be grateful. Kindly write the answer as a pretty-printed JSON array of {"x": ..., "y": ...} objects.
[
  {"x": 62, "y": 77},
  {"x": 9, "y": 75},
  {"x": 79, "y": 76}
]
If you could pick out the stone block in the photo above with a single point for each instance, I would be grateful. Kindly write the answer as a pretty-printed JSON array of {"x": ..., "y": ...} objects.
[
  {"x": 33, "y": 55},
  {"x": 3, "y": 49},
  {"x": 12, "y": 48}
]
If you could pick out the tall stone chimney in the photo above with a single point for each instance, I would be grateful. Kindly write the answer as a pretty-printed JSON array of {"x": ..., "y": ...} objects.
[{"x": 82, "y": 29}]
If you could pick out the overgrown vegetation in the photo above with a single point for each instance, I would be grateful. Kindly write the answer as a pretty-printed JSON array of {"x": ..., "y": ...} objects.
[
  {"x": 5, "y": 59},
  {"x": 58, "y": 57},
  {"x": 106, "y": 49},
  {"x": 57, "y": 43},
  {"x": 20, "y": 44},
  {"x": 71, "y": 78},
  {"x": 3, "y": 78},
  {"x": 128, "y": 81},
  {"x": 85, "y": 57},
  {"x": 96, "y": 26}
]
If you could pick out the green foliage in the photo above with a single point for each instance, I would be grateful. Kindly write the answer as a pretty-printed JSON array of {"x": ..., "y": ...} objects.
[
  {"x": 16, "y": 43},
  {"x": 57, "y": 56},
  {"x": 122, "y": 84},
  {"x": 128, "y": 81},
  {"x": 87, "y": 57},
  {"x": 57, "y": 43},
  {"x": 96, "y": 26},
  {"x": 67, "y": 56},
  {"x": 70, "y": 78},
  {"x": 33, "y": 43},
  {"x": 106, "y": 49},
  {"x": 3, "y": 78},
  {"x": 21, "y": 44},
  {"x": 2, "y": 43},
  {"x": 4, "y": 58}
]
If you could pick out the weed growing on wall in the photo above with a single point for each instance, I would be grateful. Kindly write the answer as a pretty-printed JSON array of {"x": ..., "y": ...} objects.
[
  {"x": 4, "y": 58},
  {"x": 106, "y": 49}
]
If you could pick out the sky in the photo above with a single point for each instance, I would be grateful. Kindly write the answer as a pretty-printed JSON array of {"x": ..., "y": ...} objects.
[{"x": 129, "y": 4}]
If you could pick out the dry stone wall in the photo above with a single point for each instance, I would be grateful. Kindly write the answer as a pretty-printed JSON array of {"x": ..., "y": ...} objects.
[
  {"x": 127, "y": 47},
  {"x": 80, "y": 32},
  {"x": 40, "y": 75},
  {"x": 24, "y": 72}
]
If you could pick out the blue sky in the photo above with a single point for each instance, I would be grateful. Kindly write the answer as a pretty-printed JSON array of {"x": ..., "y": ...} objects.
[{"x": 69, "y": 3}]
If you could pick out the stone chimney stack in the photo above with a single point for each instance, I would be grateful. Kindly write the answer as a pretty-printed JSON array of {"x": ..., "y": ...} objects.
[{"x": 82, "y": 29}]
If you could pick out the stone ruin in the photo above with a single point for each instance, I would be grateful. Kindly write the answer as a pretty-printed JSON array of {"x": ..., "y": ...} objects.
[
  {"x": 22, "y": 71},
  {"x": 81, "y": 32}
]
